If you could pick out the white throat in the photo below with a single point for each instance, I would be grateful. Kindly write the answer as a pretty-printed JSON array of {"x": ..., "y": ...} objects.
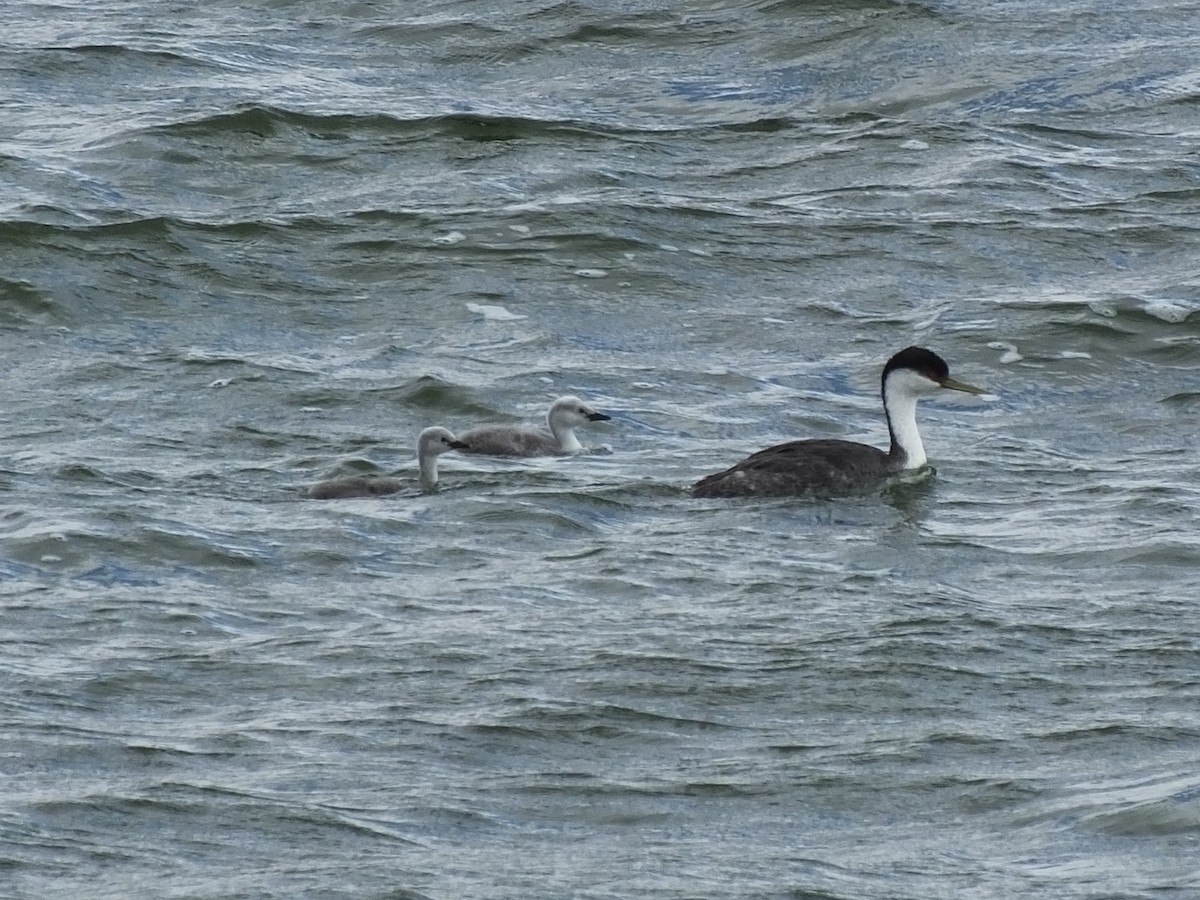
[
  {"x": 427, "y": 462},
  {"x": 565, "y": 435},
  {"x": 900, "y": 395}
]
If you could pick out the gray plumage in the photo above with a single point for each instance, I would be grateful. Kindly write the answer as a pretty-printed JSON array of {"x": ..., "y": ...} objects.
[
  {"x": 801, "y": 468},
  {"x": 345, "y": 488},
  {"x": 830, "y": 468},
  {"x": 565, "y": 415}
]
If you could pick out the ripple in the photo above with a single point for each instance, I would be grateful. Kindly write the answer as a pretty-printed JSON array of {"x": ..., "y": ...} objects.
[{"x": 242, "y": 250}]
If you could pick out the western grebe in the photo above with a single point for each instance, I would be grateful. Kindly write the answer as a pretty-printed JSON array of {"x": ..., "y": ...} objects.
[
  {"x": 431, "y": 443},
  {"x": 834, "y": 467},
  {"x": 565, "y": 415}
]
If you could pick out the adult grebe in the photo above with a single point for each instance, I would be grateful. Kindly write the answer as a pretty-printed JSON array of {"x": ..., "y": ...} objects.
[
  {"x": 565, "y": 415},
  {"x": 826, "y": 468},
  {"x": 431, "y": 443}
]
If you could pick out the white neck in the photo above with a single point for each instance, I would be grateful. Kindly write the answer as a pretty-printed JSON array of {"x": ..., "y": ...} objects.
[
  {"x": 565, "y": 435},
  {"x": 427, "y": 462},
  {"x": 900, "y": 406}
]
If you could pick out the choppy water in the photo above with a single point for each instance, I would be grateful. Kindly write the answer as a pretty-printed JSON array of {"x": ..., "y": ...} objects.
[{"x": 247, "y": 249}]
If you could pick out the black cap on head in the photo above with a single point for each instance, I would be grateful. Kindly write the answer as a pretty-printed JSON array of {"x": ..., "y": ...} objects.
[{"x": 926, "y": 362}]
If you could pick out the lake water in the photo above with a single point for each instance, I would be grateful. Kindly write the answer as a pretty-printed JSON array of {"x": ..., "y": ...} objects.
[{"x": 250, "y": 246}]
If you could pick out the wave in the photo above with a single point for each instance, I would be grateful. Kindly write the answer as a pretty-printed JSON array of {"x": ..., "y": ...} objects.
[
  {"x": 1156, "y": 805},
  {"x": 47, "y": 59},
  {"x": 263, "y": 121}
]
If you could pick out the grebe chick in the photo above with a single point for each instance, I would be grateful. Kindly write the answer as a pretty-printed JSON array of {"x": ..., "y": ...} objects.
[
  {"x": 431, "y": 443},
  {"x": 565, "y": 415}
]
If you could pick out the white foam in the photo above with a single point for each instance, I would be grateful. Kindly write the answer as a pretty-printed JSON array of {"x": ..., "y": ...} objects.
[
  {"x": 494, "y": 313},
  {"x": 1168, "y": 311},
  {"x": 1010, "y": 354}
]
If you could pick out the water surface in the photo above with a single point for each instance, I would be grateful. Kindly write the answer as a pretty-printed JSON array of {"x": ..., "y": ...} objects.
[{"x": 248, "y": 249}]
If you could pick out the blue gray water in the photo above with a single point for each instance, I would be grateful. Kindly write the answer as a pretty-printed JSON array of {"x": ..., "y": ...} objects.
[{"x": 250, "y": 246}]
